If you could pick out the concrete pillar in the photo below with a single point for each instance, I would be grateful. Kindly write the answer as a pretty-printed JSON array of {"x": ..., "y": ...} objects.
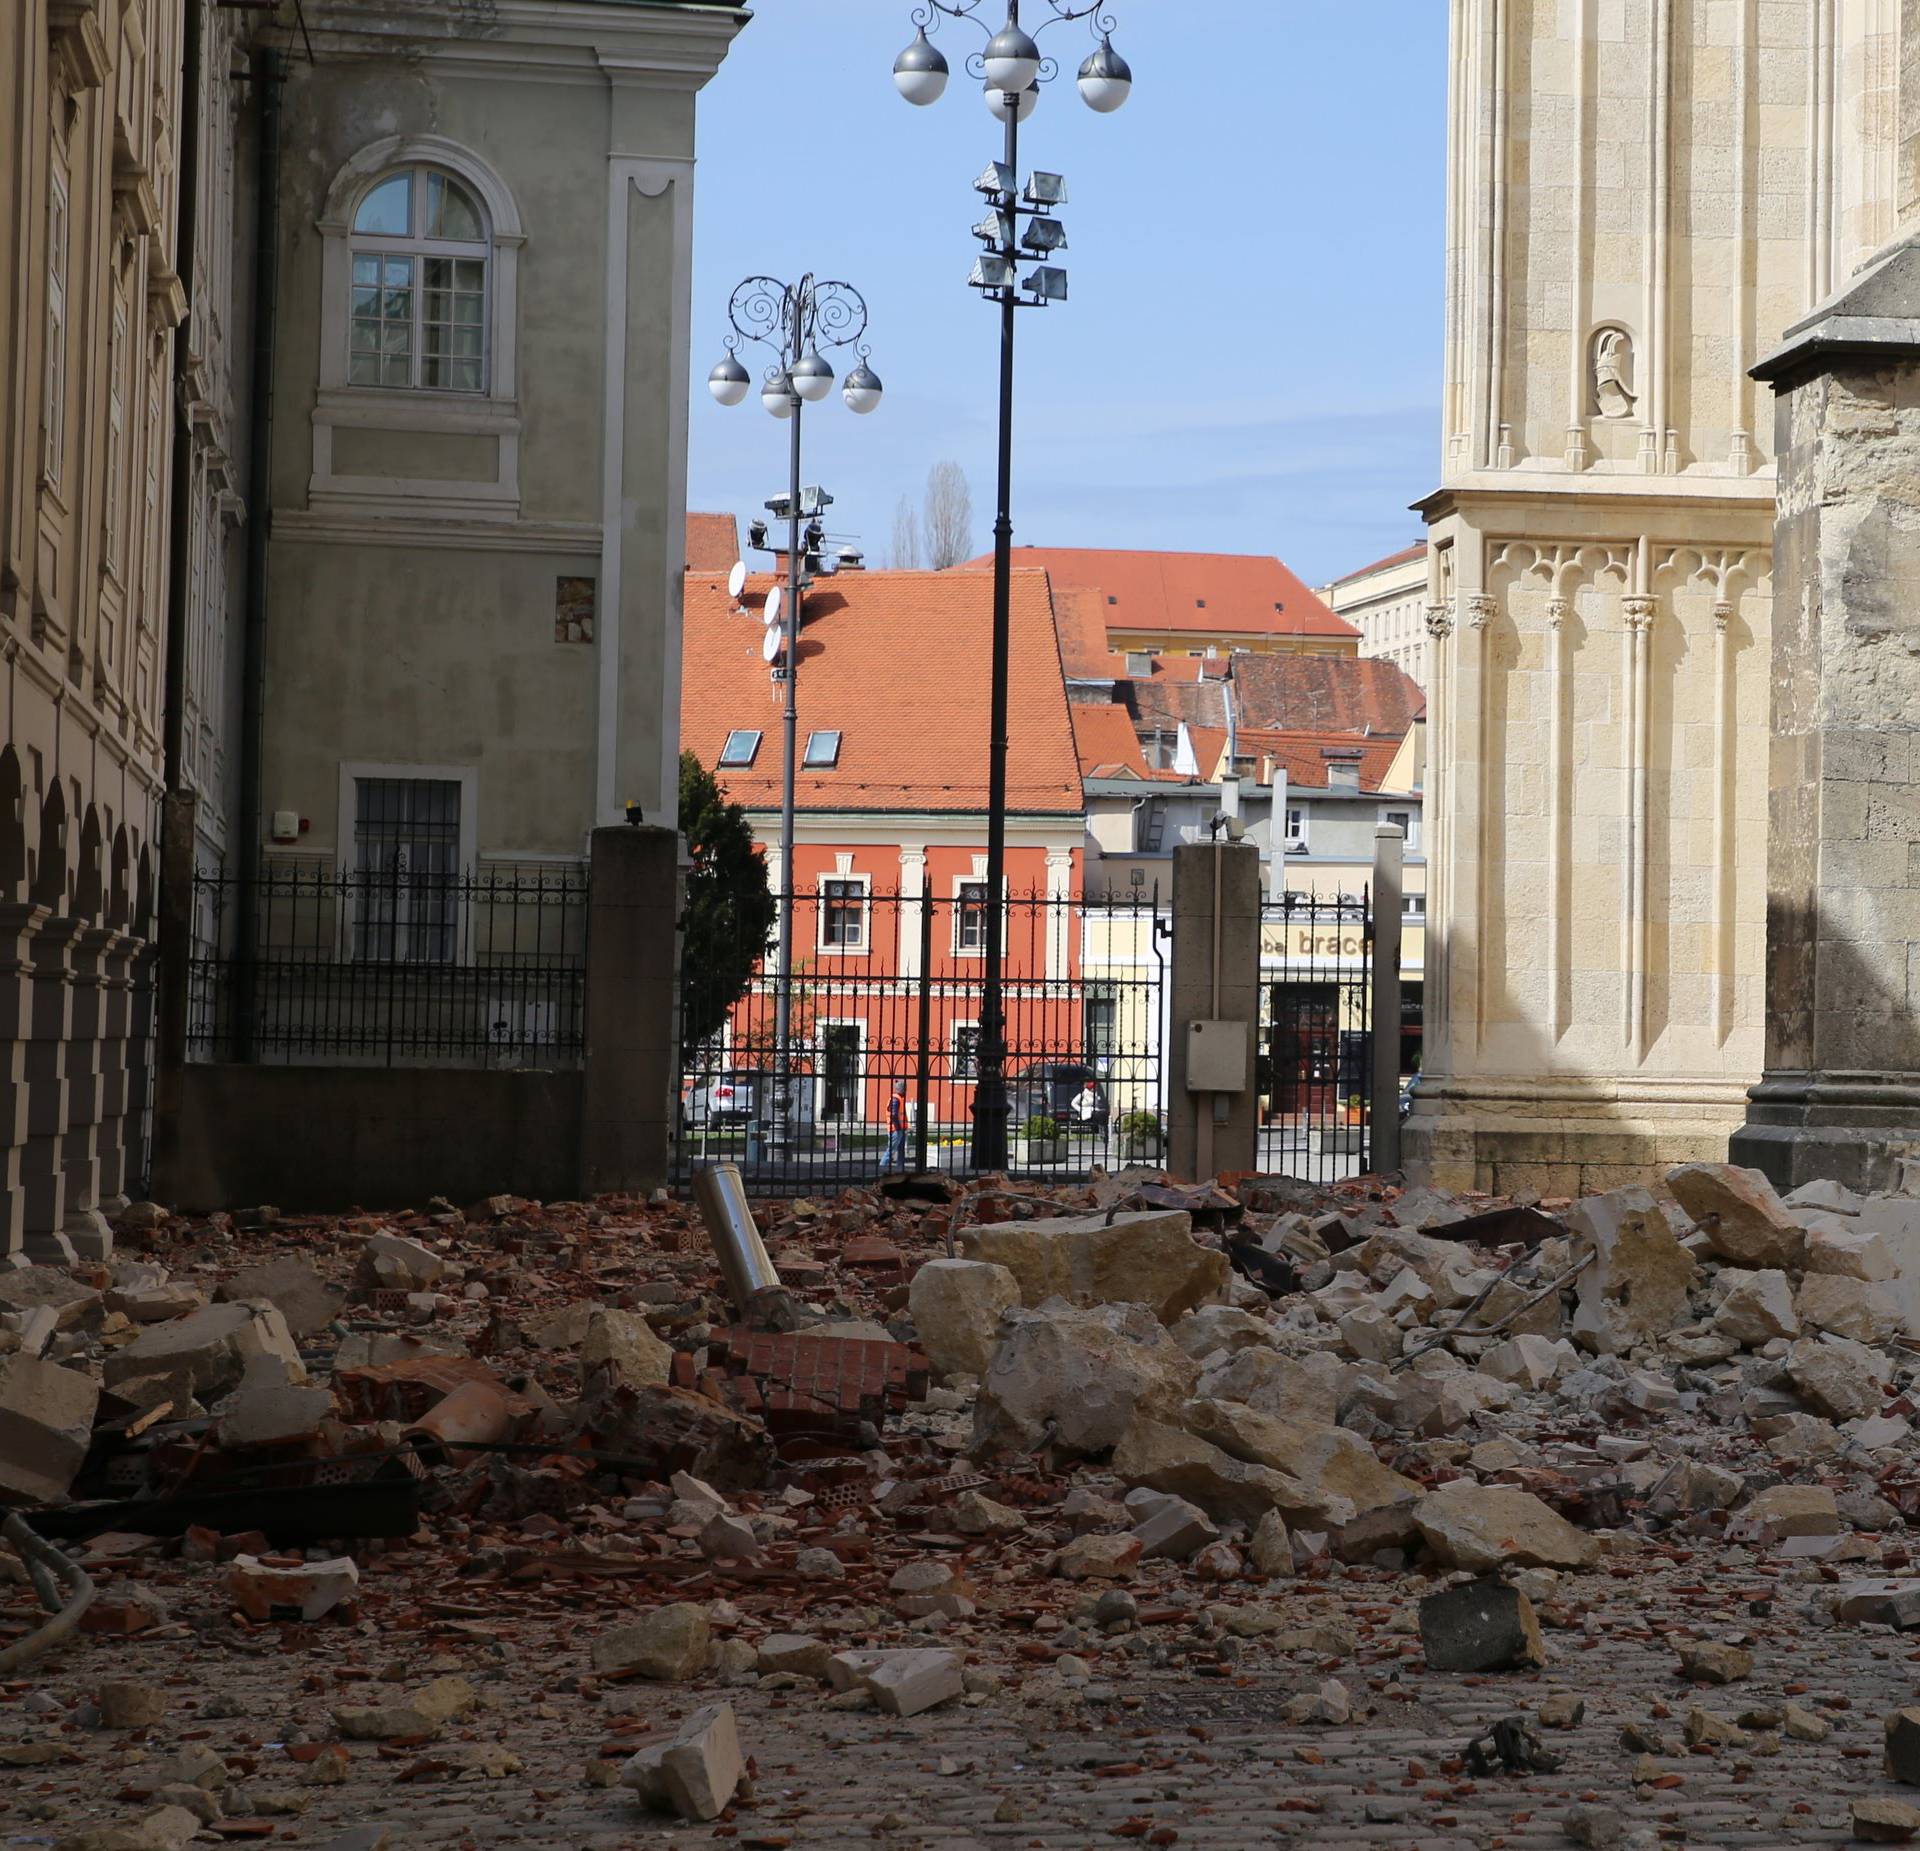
[
  {"x": 1840, "y": 1095},
  {"x": 633, "y": 964},
  {"x": 18, "y": 925},
  {"x": 1389, "y": 860},
  {"x": 43, "y": 1177},
  {"x": 1215, "y": 979},
  {"x": 86, "y": 1084}
]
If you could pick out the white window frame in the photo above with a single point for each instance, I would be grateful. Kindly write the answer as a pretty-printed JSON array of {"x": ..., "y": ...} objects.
[
  {"x": 115, "y": 538},
  {"x": 820, "y": 1028},
  {"x": 1411, "y": 824},
  {"x": 846, "y": 879},
  {"x": 809, "y": 763},
  {"x": 416, "y": 247},
  {"x": 956, "y": 1073},
  {"x": 340, "y": 405},
  {"x": 723, "y": 763},
  {"x": 346, "y": 839},
  {"x": 1288, "y": 833},
  {"x": 53, "y": 398},
  {"x": 961, "y": 882},
  {"x": 1413, "y": 908}
]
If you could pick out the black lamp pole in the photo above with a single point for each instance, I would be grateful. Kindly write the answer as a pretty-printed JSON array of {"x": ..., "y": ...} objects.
[
  {"x": 794, "y": 321},
  {"x": 1012, "y": 69}
]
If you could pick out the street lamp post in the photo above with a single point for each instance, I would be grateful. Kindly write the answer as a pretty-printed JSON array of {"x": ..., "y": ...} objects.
[
  {"x": 794, "y": 322},
  {"x": 1012, "y": 69}
]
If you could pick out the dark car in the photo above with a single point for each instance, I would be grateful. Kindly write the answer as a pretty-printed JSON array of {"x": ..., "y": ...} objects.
[{"x": 1048, "y": 1089}]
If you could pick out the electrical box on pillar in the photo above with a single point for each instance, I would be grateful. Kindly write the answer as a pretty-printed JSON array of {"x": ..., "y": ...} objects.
[{"x": 1216, "y": 1057}]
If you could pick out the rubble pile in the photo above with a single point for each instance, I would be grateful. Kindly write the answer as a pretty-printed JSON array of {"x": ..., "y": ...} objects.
[{"x": 988, "y": 1445}]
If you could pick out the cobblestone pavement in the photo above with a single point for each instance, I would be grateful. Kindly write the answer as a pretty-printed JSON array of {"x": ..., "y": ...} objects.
[{"x": 1177, "y": 1739}]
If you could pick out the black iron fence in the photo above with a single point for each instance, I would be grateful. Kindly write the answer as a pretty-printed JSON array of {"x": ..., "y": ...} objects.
[
  {"x": 883, "y": 1042},
  {"x": 1316, "y": 1034},
  {"x": 312, "y": 965}
]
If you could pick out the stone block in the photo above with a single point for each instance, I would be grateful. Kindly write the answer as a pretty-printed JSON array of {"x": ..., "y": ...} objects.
[
  {"x": 1757, "y": 1308},
  {"x": 697, "y": 1773},
  {"x": 1637, "y": 1286},
  {"x": 1147, "y": 1258},
  {"x": 1743, "y": 1219},
  {"x": 300, "y": 1295},
  {"x": 1490, "y": 1527},
  {"x": 1175, "y": 1529},
  {"x": 1481, "y": 1626},
  {"x": 622, "y": 1345},
  {"x": 46, "y": 1426},
  {"x": 956, "y": 1306},
  {"x": 670, "y": 1645}
]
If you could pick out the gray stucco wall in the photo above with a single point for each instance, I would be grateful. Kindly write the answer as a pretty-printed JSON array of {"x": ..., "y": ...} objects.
[{"x": 325, "y": 1139}]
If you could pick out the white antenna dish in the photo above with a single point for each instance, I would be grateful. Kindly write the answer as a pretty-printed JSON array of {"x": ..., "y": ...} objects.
[
  {"x": 775, "y": 600},
  {"x": 772, "y": 643},
  {"x": 737, "y": 580}
]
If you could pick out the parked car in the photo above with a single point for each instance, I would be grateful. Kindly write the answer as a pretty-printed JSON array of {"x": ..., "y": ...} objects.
[
  {"x": 1048, "y": 1089},
  {"x": 723, "y": 1099}
]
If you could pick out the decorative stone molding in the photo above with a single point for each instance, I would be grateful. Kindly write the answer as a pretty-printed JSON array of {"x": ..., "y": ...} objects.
[
  {"x": 1637, "y": 611},
  {"x": 77, "y": 42},
  {"x": 1481, "y": 607},
  {"x": 1439, "y": 622}
]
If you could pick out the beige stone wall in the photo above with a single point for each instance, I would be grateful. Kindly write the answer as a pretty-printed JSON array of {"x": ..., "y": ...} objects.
[
  {"x": 1644, "y": 194},
  {"x": 90, "y": 118}
]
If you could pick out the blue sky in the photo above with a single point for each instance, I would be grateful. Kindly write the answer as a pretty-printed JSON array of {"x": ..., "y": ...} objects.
[{"x": 1251, "y": 358}]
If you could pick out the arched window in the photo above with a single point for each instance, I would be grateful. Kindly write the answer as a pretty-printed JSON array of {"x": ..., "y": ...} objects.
[{"x": 418, "y": 315}]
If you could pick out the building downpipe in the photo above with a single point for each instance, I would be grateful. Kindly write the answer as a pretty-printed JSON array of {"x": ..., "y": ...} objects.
[{"x": 269, "y": 73}]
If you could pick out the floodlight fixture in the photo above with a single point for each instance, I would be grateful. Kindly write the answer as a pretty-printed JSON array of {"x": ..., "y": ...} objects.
[
  {"x": 1046, "y": 190},
  {"x": 992, "y": 271},
  {"x": 997, "y": 182},
  {"x": 1045, "y": 236},
  {"x": 1046, "y": 284}
]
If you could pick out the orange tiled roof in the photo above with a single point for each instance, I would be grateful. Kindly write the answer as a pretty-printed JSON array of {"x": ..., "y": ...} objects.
[
  {"x": 1304, "y": 754},
  {"x": 1340, "y": 694},
  {"x": 713, "y": 542},
  {"x": 1201, "y": 594},
  {"x": 1080, "y": 617},
  {"x": 1108, "y": 746},
  {"x": 898, "y": 664}
]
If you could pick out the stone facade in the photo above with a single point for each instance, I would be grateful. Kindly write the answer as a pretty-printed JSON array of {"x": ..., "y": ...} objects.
[
  {"x": 121, "y": 175},
  {"x": 1841, "y": 1093},
  {"x": 1642, "y": 196}
]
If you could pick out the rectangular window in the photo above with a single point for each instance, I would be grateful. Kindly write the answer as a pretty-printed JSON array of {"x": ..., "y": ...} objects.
[
  {"x": 1296, "y": 824},
  {"x": 740, "y": 749},
  {"x": 965, "y": 1060},
  {"x": 1103, "y": 1023},
  {"x": 843, "y": 915},
  {"x": 970, "y": 918},
  {"x": 823, "y": 751},
  {"x": 406, "y": 838},
  {"x": 1407, "y": 822},
  {"x": 1413, "y": 905},
  {"x": 381, "y": 347},
  {"x": 53, "y": 405},
  {"x": 453, "y": 309}
]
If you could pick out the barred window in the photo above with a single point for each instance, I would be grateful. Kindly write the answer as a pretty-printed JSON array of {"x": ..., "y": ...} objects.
[
  {"x": 406, "y": 837},
  {"x": 970, "y": 917}
]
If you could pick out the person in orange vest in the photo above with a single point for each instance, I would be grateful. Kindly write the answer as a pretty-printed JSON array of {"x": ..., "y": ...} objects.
[{"x": 896, "y": 1129}]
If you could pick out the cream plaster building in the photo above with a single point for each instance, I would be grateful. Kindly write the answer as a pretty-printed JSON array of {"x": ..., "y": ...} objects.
[
  {"x": 1643, "y": 196},
  {"x": 119, "y": 462},
  {"x": 1387, "y": 603}
]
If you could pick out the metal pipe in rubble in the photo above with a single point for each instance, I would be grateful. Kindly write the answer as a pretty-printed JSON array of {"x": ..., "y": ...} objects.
[
  {"x": 744, "y": 1264},
  {"x": 43, "y": 1560}
]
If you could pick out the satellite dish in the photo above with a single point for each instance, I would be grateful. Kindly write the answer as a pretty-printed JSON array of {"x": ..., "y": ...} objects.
[
  {"x": 737, "y": 579},
  {"x": 774, "y": 601},
  {"x": 772, "y": 643}
]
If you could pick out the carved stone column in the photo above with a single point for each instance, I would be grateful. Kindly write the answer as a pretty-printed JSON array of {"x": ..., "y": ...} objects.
[
  {"x": 43, "y": 1173},
  {"x": 1841, "y": 1093},
  {"x": 18, "y": 925}
]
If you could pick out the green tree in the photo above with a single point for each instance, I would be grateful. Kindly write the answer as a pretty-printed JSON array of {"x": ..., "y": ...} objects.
[{"x": 730, "y": 908}]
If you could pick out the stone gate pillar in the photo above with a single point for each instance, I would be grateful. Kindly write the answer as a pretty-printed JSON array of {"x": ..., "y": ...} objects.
[{"x": 1840, "y": 1096}]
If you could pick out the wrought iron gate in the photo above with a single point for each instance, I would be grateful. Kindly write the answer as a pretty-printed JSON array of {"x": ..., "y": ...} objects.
[
  {"x": 1316, "y": 1035},
  {"x": 885, "y": 995}
]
